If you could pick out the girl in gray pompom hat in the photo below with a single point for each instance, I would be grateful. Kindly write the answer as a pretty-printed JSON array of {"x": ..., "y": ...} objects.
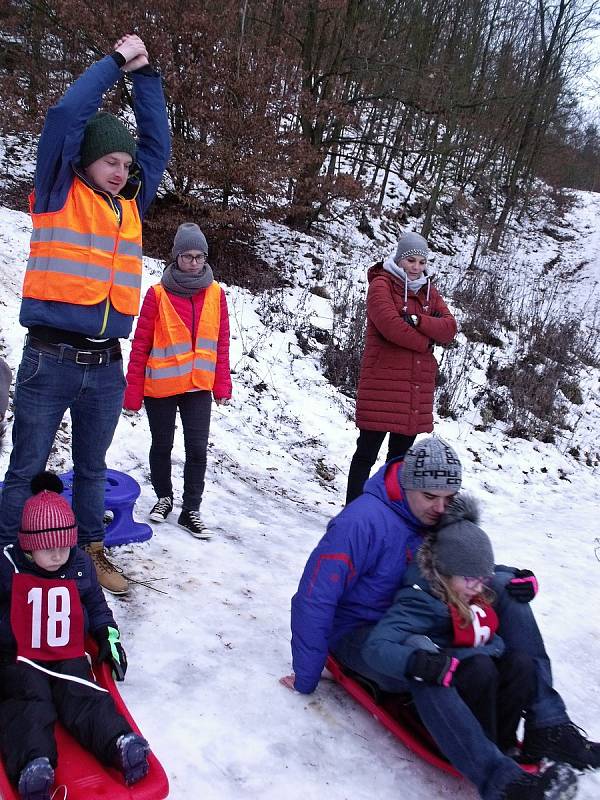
[
  {"x": 441, "y": 628},
  {"x": 406, "y": 317}
]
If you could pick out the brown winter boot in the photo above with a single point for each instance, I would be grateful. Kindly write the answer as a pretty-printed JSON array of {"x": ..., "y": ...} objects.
[{"x": 110, "y": 577}]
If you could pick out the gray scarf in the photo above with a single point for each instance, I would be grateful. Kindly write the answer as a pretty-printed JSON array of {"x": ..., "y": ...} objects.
[
  {"x": 186, "y": 284},
  {"x": 390, "y": 266}
]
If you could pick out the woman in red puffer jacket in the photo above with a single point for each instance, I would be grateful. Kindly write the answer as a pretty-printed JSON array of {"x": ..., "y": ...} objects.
[
  {"x": 406, "y": 316},
  {"x": 180, "y": 360}
]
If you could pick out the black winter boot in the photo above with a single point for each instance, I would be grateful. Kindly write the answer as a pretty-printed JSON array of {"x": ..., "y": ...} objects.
[
  {"x": 562, "y": 743},
  {"x": 132, "y": 757},
  {"x": 36, "y": 779},
  {"x": 557, "y": 782}
]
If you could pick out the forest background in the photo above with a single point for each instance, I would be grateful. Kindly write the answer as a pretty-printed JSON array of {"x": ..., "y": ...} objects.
[{"x": 456, "y": 118}]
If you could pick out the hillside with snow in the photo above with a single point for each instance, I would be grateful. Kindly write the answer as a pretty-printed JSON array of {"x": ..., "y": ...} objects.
[{"x": 207, "y": 645}]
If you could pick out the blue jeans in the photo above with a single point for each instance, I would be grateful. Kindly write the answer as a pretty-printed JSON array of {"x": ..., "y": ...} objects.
[
  {"x": 447, "y": 717},
  {"x": 46, "y": 386}
]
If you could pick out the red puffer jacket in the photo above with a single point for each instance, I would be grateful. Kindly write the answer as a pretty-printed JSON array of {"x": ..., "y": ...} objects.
[
  {"x": 397, "y": 374},
  {"x": 189, "y": 309}
]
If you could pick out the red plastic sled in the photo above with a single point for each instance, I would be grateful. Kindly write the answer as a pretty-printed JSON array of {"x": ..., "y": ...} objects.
[
  {"x": 395, "y": 713},
  {"x": 87, "y": 779}
]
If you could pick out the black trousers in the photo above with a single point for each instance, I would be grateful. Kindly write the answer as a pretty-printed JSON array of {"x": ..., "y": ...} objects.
[
  {"x": 31, "y": 702},
  {"x": 368, "y": 445},
  {"x": 497, "y": 690},
  {"x": 194, "y": 410}
]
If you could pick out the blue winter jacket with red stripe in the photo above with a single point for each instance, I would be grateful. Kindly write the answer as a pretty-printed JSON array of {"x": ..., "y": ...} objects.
[{"x": 352, "y": 575}]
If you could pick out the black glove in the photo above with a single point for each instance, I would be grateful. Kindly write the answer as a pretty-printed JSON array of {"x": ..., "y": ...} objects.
[
  {"x": 111, "y": 650},
  {"x": 523, "y": 587},
  {"x": 437, "y": 314},
  {"x": 430, "y": 667},
  {"x": 411, "y": 319}
]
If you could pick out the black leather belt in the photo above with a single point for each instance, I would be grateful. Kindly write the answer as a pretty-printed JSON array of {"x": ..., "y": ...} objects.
[{"x": 96, "y": 358}]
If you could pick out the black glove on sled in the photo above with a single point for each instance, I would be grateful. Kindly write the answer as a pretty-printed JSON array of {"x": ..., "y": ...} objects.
[
  {"x": 430, "y": 667},
  {"x": 523, "y": 587},
  {"x": 111, "y": 650}
]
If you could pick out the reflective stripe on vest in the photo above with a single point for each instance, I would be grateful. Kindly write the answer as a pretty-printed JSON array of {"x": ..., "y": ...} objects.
[
  {"x": 173, "y": 365},
  {"x": 71, "y": 263}
]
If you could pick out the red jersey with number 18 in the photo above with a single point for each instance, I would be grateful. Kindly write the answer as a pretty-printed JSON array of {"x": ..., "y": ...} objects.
[{"x": 46, "y": 617}]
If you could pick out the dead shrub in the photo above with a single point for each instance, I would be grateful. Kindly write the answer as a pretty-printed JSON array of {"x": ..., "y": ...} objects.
[{"x": 342, "y": 354}]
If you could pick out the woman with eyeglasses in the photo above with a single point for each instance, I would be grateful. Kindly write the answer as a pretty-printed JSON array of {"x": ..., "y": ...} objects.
[
  {"x": 180, "y": 361},
  {"x": 442, "y": 628}
]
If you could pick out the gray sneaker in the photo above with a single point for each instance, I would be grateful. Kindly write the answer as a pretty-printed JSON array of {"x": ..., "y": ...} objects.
[
  {"x": 161, "y": 509},
  {"x": 191, "y": 521}
]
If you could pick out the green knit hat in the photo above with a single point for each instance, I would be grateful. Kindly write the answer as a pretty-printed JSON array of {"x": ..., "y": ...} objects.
[{"x": 103, "y": 134}]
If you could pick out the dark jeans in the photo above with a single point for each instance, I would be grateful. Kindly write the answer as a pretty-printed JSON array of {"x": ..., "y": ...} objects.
[
  {"x": 194, "y": 410},
  {"x": 497, "y": 690},
  {"x": 46, "y": 386},
  {"x": 33, "y": 701},
  {"x": 368, "y": 445}
]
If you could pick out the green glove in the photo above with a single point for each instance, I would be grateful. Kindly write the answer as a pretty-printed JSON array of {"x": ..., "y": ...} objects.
[{"x": 111, "y": 650}]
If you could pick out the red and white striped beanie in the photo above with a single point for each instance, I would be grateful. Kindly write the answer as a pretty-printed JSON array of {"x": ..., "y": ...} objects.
[{"x": 48, "y": 519}]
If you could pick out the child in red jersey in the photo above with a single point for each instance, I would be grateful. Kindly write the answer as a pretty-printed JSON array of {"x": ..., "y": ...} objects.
[
  {"x": 50, "y": 599},
  {"x": 442, "y": 627}
]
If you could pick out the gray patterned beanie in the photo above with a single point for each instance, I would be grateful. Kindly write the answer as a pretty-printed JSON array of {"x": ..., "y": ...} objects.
[
  {"x": 460, "y": 546},
  {"x": 431, "y": 464},
  {"x": 411, "y": 244},
  {"x": 188, "y": 237}
]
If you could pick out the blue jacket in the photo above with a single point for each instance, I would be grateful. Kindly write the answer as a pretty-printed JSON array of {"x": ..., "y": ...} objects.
[
  {"x": 57, "y": 157},
  {"x": 351, "y": 577},
  {"x": 79, "y": 567},
  {"x": 416, "y": 621}
]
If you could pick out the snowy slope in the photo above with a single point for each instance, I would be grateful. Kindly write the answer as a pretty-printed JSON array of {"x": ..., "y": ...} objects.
[{"x": 206, "y": 651}]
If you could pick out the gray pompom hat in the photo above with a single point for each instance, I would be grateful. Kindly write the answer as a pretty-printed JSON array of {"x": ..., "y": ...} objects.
[
  {"x": 431, "y": 464},
  {"x": 188, "y": 237},
  {"x": 411, "y": 244},
  {"x": 460, "y": 546}
]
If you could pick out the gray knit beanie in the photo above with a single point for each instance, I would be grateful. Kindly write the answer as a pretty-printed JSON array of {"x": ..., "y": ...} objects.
[
  {"x": 411, "y": 244},
  {"x": 188, "y": 237},
  {"x": 104, "y": 134},
  {"x": 431, "y": 464},
  {"x": 461, "y": 547}
]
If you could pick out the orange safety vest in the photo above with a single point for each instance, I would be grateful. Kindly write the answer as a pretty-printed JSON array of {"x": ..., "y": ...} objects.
[
  {"x": 81, "y": 254},
  {"x": 175, "y": 365}
]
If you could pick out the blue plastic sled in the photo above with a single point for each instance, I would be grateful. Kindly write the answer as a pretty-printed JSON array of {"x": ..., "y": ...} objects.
[{"x": 120, "y": 495}]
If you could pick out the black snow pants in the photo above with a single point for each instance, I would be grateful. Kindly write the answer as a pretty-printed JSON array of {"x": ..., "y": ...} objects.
[
  {"x": 497, "y": 690},
  {"x": 31, "y": 702}
]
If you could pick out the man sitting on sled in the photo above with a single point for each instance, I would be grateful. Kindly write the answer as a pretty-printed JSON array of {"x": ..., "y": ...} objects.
[{"x": 349, "y": 582}]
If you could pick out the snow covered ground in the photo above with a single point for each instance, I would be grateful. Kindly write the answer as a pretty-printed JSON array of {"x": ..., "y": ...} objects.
[{"x": 206, "y": 651}]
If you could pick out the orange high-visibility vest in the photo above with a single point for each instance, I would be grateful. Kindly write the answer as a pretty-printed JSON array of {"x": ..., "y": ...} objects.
[
  {"x": 82, "y": 255},
  {"x": 176, "y": 364}
]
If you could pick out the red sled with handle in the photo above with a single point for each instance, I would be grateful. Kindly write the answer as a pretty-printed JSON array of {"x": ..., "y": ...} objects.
[
  {"x": 396, "y": 713},
  {"x": 86, "y": 778}
]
